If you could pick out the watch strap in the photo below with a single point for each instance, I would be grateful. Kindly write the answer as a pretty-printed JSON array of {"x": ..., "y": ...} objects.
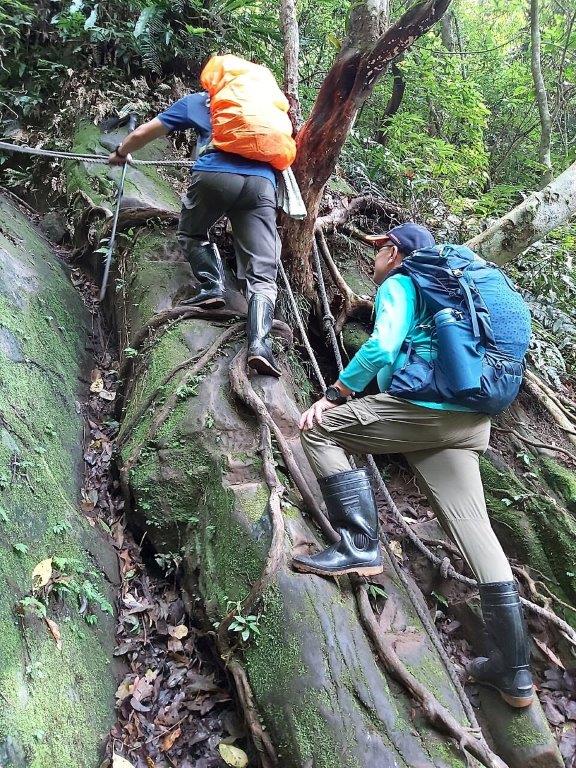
[{"x": 333, "y": 395}]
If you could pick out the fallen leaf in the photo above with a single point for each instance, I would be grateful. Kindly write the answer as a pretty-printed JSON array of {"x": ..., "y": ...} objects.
[
  {"x": 107, "y": 395},
  {"x": 233, "y": 755},
  {"x": 178, "y": 632},
  {"x": 124, "y": 690},
  {"x": 396, "y": 547},
  {"x": 170, "y": 738},
  {"x": 97, "y": 385},
  {"x": 55, "y": 632},
  {"x": 42, "y": 573},
  {"x": 120, "y": 762}
]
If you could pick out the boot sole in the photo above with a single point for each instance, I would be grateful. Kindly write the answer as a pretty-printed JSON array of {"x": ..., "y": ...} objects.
[
  {"x": 361, "y": 570},
  {"x": 263, "y": 367},
  {"x": 518, "y": 702},
  {"x": 208, "y": 304}
]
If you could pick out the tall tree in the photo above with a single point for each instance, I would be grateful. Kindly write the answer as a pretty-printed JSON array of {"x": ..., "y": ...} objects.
[
  {"x": 541, "y": 95},
  {"x": 369, "y": 46}
]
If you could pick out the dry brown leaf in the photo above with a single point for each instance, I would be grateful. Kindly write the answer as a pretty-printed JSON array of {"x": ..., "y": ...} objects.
[
  {"x": 55, "y": 632},
  {"x": 178, "y": 632},
  {"x": 120, "y": 762},
  {"x": 124, "y": 690},
  {"x": 396, "y": 547},
  {"x": 97, "y": 385},
  {"x": 170, "y": 738},
  {"x": 233, "y": 756},
  {"x": 42, "y": 573}
]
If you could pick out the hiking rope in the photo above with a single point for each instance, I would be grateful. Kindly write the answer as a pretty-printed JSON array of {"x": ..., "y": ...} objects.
[
  {"x": 92, "y": 158},
  {"x": 421, "y": 611}
]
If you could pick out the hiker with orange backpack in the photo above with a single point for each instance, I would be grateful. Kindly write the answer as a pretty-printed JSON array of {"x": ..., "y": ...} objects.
[
  {"x": 447, "y": 350},
  {"x": 244, "y": 136}
]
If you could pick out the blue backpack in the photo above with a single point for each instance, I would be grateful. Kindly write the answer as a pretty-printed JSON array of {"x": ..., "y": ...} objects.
[{"x": 482, "y": 327}]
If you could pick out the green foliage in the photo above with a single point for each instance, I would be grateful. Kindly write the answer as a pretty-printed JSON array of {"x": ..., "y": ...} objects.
[{"x": 247, "y": 627}]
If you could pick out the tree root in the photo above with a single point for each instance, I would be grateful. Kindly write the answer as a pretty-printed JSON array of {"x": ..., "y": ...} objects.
[
  {"x": 260, "y": 737},
  {"x": 449, "y": 571},
  {"x": 339, "y": 216},
  {"x": 164, "y": 412},
  {"x": 167, "y": 318},
  {"x": 352, "y": 302},
  {"x": 242, "y": 388},
  {"x": 468, "y": 739},
  {"x": 197, "y": 362},
  {"x": 533, "y": 443},
  {"x": 546, "y": 398}
]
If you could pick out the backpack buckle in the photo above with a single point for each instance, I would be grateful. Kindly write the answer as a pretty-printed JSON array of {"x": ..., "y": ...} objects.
[{"x": 457, "y": 272}]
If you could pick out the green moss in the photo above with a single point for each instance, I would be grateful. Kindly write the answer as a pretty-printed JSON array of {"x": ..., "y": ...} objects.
[
  {"x": 254, "y": 502},
  {"x": 561, "y": 480},
  {"x": 313, "y": 739},
  {"x": 63, "y": 705},
  {"x": 522, "y": 732},
  {"x": 354, "y": 335},
  {"x": 539, "y": 531},
  {"x": 430, "y": 671}
]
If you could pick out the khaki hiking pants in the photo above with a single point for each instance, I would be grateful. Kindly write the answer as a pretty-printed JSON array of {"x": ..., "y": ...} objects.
[{"x": 442, "y": 447}]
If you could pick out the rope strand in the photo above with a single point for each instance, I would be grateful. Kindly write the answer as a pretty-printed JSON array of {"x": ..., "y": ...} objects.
[{"x": 85, "y": 158}]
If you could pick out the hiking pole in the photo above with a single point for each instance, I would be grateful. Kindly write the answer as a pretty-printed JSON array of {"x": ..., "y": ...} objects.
[{"x": 108, "y": 259}]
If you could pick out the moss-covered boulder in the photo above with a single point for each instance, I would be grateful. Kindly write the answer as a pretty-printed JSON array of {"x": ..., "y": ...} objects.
[
  {"x": 533, "y": 526},
  {"x": 56, "y": 695},
  {"x": 196, "y": 484}
]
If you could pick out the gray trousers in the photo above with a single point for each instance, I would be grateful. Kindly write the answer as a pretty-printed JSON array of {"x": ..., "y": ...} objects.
[
  {"x": 442, "y": 447},
  {"x": 250, "y": 204}
]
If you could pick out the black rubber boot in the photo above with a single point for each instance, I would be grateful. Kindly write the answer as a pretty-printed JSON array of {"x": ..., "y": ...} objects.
[
  {"x": 207, "y": 269},
  {"x": 258, "y": 326},
  {"x": 506, "y": 666},
  {"x": 353, "y": 514}
]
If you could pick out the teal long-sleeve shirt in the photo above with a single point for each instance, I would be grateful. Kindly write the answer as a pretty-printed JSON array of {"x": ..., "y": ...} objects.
[{"x": 399, "y": 315}]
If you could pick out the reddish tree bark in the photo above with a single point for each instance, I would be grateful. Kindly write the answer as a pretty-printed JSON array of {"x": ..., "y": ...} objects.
[{"x": 348, "y": 84}]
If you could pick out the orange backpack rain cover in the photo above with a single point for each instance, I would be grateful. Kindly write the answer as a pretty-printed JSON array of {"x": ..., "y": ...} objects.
[{"x": 249, "y": 112}]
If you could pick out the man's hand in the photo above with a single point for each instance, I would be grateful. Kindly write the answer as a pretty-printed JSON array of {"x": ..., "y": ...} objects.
[
  {"x": 115, "y": 159},
  {"x": 314, "y": 413}
]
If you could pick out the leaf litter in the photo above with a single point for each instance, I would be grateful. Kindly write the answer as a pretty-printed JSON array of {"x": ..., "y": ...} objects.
[{"x": 174, "y": 703}]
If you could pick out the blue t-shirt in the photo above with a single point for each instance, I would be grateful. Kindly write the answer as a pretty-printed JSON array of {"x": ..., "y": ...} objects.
[{"x": 192, "y": 111}]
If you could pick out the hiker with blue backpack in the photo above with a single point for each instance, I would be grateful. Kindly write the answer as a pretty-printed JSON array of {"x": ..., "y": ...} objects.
[{"x": 447, "y": 351}]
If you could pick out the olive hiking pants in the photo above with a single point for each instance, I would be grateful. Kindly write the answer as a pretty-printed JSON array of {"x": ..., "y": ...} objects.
[{"x": 443, "y": 449}]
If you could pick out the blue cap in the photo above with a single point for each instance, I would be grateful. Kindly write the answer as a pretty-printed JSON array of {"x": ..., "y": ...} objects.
[{"x": 408, "y": 237}]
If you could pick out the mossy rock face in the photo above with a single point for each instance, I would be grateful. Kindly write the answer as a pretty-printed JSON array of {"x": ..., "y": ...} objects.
[
  {"x": 143, "y": 185},
  {"x": 61, "y": 703},
  {"x": 561, "y": 480},
  {"x": 198, "y": 489},
  {"x": 533, "y": 526}
]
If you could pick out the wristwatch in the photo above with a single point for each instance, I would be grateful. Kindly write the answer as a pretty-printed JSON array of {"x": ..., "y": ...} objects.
[
  {"x": 120, "y": 153},
  {"x": 333, "y": 395}
]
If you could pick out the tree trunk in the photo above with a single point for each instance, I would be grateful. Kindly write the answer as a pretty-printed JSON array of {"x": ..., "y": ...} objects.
[
  {"x": 530, "y": 221},
  {"x": 346, "y": 87},
  {"x": 195, "y": 483},
  {"x": 541, "y": 96},
  {"x": 291, "y": 56},
  {"x": 57, "y": 703},
  {"x": 395, "y": 100}
]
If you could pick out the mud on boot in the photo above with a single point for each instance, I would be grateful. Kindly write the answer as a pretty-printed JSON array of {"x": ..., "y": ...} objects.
[
  {"x": 506, "y": 665},
  {"x": 353, "y": 513}
]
